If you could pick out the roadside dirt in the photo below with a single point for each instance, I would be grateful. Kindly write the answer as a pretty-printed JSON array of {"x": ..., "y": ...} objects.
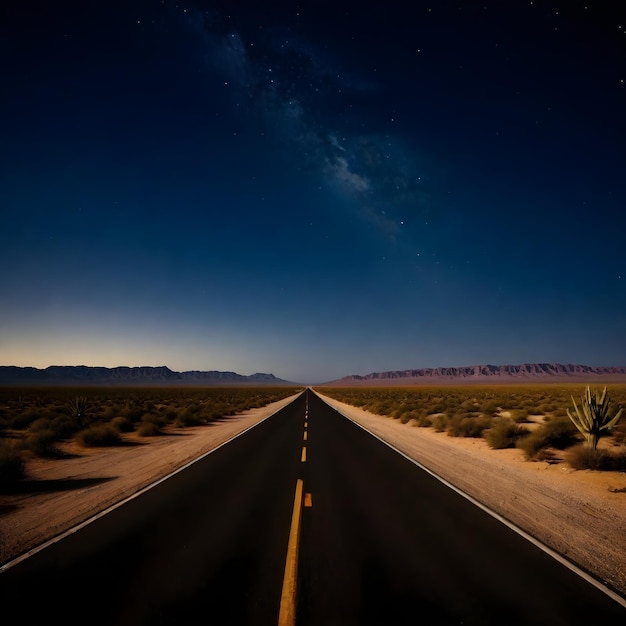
[{"x": 579, "y": 514}]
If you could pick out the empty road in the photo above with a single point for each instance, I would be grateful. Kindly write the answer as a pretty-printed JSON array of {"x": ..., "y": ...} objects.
[{"x": 370, "y": 536}]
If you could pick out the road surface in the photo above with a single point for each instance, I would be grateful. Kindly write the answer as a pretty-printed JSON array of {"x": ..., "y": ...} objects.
[{"x": 370, "y": 537}]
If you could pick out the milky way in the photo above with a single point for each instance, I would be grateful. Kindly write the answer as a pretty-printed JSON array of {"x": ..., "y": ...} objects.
[{"x": 313, "y": 189}]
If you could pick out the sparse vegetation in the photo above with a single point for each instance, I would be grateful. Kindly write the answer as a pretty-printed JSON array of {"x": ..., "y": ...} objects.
[
  {"x": 532, "y": 418},
  {"x": 40, "y": 421},
  {"x": 468, "y": 425}
]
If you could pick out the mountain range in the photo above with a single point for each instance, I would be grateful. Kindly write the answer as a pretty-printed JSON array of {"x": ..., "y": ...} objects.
[
  {"x": 163, "y": 376},
  {"x": 85, "y": 375},
  {"x": 526, "y": 372}
]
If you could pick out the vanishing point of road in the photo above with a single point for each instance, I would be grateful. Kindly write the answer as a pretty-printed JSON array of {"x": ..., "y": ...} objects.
[{"x": 303, "y": 519}]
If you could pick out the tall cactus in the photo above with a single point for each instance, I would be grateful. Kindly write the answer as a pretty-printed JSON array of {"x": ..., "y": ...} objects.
[{"x": 594, "y": 420}]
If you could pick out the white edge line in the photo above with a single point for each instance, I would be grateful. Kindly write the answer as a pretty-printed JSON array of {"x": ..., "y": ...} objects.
[
  {"x": 106, "y": 511},
  {"x": 555, "y": 555}
]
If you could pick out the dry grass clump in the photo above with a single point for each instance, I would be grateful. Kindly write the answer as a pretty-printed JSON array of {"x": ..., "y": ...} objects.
[
  {"x": 584, "y": 457},
  {"x": 468, "y": 425},
  {"x": 504, "y": 433},
  {"x": 122, "y": 424},
  {"x": 99, "y": 435},
  {"x": 557, "y": 432},
  {"x": 151, "y": 425},
  {"x": 42, "y": 442}
]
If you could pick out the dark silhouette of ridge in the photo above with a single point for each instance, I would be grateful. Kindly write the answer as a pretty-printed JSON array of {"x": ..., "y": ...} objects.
[
  {"x": 526, "y": 372},
  {"x": 162, "y": 375}
]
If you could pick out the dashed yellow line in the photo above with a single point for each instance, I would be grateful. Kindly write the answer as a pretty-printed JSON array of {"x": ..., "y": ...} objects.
[
  {"x": 288, "y": 598},
  {"x": 308, "y": 500},
  {"x": 305, "y": 435},
  {"x": 303, "y": 457}
]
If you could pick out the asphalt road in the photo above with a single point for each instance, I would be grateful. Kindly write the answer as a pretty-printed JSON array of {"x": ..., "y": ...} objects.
[
  {"x": 380, "y": 542},
  {"x": 386, "y": 543},
  {"x": 205, "y": 546}
]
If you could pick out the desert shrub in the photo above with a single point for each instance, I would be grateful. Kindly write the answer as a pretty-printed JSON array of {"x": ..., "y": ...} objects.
[
  {"x": 148, "y": 429},
  {"x": 423, "y": 420},
  {"x": 189, "y": 417},
  {"x": 63, "y": 426},
  {"x": 461, "y": 425},
  {"x": 531, "y": 444},
  {"x": 585, "y": 457},
  {"x": 396, "y": 414},
  {"x": 154, "y": 418},
  {"x": 412, "y": 414},
  {"x": 504, "y": 433},
  {"x": 547, "y": 407},
  {"x": 559, "y": 432},
  {"x": 105, "y": 413},
  {"x": 24, "y": 419},
  {"x": 218, "y": 410},
  {"x": 132, "y": 413},
  {"x": 41, "y": 423},
  {"x": 11, "y": 463},
  {"x": 253, "y": 403},
  {"x": 520, "y": 416},
  {"x": 555, "y": 433},
  {"x": 470, "y": 406},
  {"x": 98, "y": 435},
  {"x": 42, "y": 442},
  {"x": 490, "y": 407},
  {"x": 172, "y": 414},
  {"x": 439, "y": 422},
  {"x": 122, "y": 424}
]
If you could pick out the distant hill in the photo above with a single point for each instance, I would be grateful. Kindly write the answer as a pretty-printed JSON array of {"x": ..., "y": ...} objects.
[
  {"x": 525, "y": 373},
  {"x": 85, "y": 375}
]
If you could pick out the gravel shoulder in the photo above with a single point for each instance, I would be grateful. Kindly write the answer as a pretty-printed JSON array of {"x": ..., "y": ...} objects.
[{"x": 579, "y": 514}]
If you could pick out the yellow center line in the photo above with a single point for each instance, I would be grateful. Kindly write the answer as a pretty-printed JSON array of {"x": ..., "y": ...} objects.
[
  {"x": 288, "y": 598},
  {"x": 306, "y": 424},
  {"x": 305, "y": 435},
  {"x": 303, "y": 458}
]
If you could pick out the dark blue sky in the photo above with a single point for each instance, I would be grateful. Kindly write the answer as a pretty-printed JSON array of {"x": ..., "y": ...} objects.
[{"x": 312, "y": 189}]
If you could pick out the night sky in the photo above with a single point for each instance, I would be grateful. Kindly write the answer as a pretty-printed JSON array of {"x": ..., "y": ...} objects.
[{"x": 312, "y": 189}]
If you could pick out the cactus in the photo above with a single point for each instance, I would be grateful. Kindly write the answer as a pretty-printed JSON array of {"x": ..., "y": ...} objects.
[
  {"x": 594, "y": 421},
  {"x": 77, "y": 409}
]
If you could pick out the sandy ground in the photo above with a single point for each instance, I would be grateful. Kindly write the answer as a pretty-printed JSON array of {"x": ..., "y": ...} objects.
[{"x": 579, "y": 514}]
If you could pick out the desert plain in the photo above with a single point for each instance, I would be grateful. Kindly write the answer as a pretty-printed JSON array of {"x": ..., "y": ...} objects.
[{"x": 578, "y": 514}]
